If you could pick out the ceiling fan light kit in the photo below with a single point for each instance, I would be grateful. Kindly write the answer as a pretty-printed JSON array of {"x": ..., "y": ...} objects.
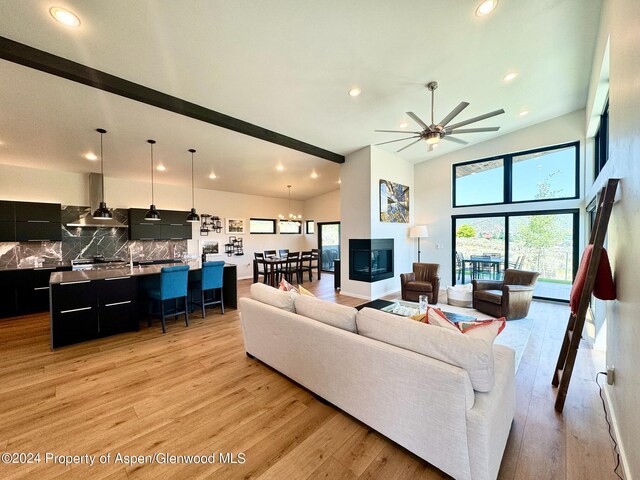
[{"x": 432, "y": 134}]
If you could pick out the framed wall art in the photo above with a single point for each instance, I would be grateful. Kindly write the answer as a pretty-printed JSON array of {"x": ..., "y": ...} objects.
[
  {"x": 234, "y": 226},
  {"x": 394, "y": 202}
]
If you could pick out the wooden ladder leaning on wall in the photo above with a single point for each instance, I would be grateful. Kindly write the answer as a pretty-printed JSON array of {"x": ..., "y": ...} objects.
[{"x": 575, "y": 325}]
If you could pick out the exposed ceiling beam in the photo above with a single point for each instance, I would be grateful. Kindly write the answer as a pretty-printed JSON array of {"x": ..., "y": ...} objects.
[{"x": 46, "y": 62}]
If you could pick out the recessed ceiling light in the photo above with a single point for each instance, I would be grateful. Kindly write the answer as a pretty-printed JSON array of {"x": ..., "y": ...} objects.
[
  {"x": 510, "y": 76},
  {"x": 486, "y": 7},
  {"x": 355, "y": 91},
  {"x": 212, "y": 176},
  {"x": 91, "y": 156},
  {"x": 523, "y": 113},
  {"x": 161, "y": 168},
  {"x": 314, "y": 174},
  {"x": 65, "y": 17},
  {"x": 280, "y": 167},
  {"x": 404, "y": 125}
]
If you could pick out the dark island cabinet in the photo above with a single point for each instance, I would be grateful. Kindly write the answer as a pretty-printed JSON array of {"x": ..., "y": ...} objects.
[
  {"x": 118, "y": 306},
  {"x": 88, "y": 309},
  {"x": 74, "y": 313},
  {"x": 33, "y": 289},
  {"x": 172, "y": 225}
]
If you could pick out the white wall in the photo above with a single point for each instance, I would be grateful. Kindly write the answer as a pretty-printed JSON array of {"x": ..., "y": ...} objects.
[
  {"x": 360, "y": 216},
  {"x": 620, "y": 21},
  {"x": 433, "y": 183},
  {"x": 28, "y": 184},
  {"x": 385, "y": 166},
  {"x": 324, "y": 208}
]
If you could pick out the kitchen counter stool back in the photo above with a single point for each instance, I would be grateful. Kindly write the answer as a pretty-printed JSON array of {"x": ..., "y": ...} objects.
[
  {"x": 173, "y": 285},
  {"x": 209, "y": 285}
]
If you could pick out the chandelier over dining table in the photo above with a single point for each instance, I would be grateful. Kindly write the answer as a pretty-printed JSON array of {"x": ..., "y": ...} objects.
[{"x": 291, "y": 217}]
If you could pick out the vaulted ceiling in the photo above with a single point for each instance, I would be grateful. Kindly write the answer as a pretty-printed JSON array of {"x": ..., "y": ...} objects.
[{"x": 286, "y": 66}]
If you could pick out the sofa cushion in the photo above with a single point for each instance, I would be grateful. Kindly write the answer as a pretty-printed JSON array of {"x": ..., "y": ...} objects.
[
  {"x": 472, "y": 354},
  {"x": 486, "y": 330},
  {"x": 274, "y": 297},
  {"x": 286, "y": 286},
  {"x": 493, "y": 296},
  {"x": 339, "y": 316},
  {"x": 419, "y": 286}
]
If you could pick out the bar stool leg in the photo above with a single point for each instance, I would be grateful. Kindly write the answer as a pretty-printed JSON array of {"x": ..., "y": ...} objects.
[
  {"x": 164, "y": 323},
  {"x": 186, "y": 312}
]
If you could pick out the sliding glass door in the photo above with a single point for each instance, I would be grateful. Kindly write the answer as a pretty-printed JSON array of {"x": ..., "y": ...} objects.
[
  {"x": 544, "y": 242},
  {"x": 329, "y": 244}
]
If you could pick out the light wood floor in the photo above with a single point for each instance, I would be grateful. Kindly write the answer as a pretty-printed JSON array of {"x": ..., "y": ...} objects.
[{"x": 193, "y": 391}]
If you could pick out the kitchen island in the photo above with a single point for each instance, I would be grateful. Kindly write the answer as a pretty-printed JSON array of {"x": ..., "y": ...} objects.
[{"x": 89, "y": 304}]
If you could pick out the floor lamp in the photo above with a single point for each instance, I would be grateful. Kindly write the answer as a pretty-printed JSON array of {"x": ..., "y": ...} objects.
[{"x": 419, "y": 231}]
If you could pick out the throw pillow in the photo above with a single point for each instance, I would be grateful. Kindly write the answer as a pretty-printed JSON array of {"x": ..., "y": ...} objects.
[
  {"x": 286, "y": 286},
  {"x": 486, "y": 330},
  {"x": 304, "y": 291}
]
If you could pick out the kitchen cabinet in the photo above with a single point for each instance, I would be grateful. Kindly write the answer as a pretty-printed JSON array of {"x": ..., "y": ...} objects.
[
  {"x": 7, "y": 231},
  {"x": 7, "y": 211},
  {"x": 37, "y": 222},
  {"x": 8, "y": 292},
  {"x": 172, "y": 226},
  {"x": 74, "y": 312},
  {"x": 88, "y": 309},
  {"x": 118, "y": 305}
]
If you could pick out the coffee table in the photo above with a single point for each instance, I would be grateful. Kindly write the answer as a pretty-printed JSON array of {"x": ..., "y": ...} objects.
[{"x": 392, "y": 307}]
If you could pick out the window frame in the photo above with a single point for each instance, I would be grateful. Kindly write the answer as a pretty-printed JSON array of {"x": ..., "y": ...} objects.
[
  {"x": 273, "y": 223},
  {"x": 299, "y": 222},
  {"x": 601, "y": 146},
  {"x": 312, "y": 224},
  {"x": 575, "y": 212},
  {"x": 507, "y": 180}
]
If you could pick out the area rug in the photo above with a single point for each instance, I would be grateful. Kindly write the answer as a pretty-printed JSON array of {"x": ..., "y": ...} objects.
[{"x": 515, "y": 334}]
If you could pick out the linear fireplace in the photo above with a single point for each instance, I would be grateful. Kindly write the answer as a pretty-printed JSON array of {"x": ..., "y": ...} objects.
[{"x": 370, "y": 260}]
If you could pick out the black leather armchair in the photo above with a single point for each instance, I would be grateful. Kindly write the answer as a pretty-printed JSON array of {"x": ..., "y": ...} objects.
[{"x": 509, "y": 298}]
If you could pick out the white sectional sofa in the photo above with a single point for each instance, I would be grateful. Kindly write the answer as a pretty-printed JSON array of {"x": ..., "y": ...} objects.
[{"x": 448, "y": 398}]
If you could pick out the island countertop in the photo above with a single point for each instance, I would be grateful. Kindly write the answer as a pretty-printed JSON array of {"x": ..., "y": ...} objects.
[{"x": 101, "y": 274}]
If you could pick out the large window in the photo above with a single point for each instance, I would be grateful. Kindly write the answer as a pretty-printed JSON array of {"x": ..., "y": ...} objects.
[
  {"x": 602, "y": 141},
  {"x": 262, "y": 225},
  {"x": 549, "y": 173},
  {"x": 542, "y": 241}
]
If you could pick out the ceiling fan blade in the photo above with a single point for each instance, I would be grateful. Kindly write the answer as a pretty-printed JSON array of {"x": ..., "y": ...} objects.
[
  {"x": 418, "y": 121},
  {"x": 454, "y": 113},
  {"x": 397, "y": 131},
  {"x": 407, "y": 146},
  {"x": 473, "y": 130},
  {"x": 477, "y": 119},
  {"x": 398, "y": 140},
  {"x": 455, "y": 140}
]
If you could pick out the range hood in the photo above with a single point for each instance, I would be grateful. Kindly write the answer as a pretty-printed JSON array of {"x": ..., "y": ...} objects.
[{"x": 95, "y": 196}]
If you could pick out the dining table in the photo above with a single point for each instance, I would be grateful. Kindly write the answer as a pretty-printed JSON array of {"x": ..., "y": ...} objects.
[
  {"x": 273, "y": 266},
  {"x": 479, "y": 263}
]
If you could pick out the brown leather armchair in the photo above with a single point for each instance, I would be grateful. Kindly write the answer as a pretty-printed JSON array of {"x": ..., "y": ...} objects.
[
  {"x": 424, "y": 280},
  {"x": 509, "y": 298}
]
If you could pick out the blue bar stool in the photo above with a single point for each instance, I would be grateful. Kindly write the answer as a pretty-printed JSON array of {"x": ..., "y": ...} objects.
[
  {"x": 173, "y": 285},
  {"x": 210, "y": 280}
]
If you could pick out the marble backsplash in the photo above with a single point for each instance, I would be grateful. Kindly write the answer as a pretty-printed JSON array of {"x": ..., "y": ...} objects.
[{"x": 87, "y": 242}]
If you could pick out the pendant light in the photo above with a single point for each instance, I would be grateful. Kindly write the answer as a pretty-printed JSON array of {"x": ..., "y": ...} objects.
[
  {"x": 102, "y": 212},
  {"x": 152, "y": 214},
  {"x": 292, "y": 217},
  {"x": 193, "y": 217}
]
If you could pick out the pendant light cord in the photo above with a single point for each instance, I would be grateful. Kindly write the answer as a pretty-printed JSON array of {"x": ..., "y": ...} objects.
[
  {"x": 152, "y": 202},
  {"x": 193, "y": 195},
  {"x": 102, "y": 166},
  {"x": 432, "y": 100}
]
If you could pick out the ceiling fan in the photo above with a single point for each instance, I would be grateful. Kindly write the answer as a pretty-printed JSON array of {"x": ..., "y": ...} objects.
[{"x": 442, "y": 130}]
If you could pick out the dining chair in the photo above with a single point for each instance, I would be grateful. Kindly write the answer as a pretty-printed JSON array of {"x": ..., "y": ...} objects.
[
  {"x": 283, "y": 253},
  {"x": 306, "y": 260},
  {"x": 210, "y": 281},
  {"x": 261, "y": 267},
  {"x": 315, "y": 261},
  {"x": 291, "y": 266},
  {"x": 269, "y": 253},
  {"x": 173, "y": 286}
]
